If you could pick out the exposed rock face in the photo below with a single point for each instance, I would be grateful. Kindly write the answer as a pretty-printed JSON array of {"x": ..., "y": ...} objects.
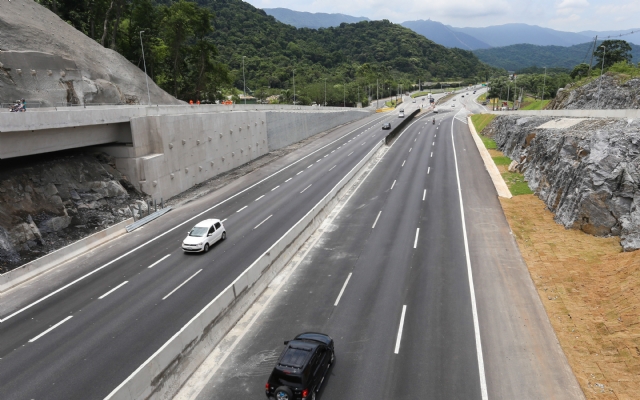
[
  {"x": 44, "y": 59},
  {"x": 48, "y": 203},
  {"x": 613, "y": 95},
  {"x": 587, "y": 174}
]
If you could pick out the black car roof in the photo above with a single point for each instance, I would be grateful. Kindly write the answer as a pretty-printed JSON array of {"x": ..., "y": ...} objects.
[{"x": 315, "y": 336}]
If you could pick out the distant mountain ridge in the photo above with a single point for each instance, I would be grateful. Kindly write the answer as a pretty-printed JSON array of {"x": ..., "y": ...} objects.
[
  {"x": 519, "y": 56},
  {"x": 301, "y": 19},
  {"x": 508, "y": 34},
  {"x": 445, "y": 35}
]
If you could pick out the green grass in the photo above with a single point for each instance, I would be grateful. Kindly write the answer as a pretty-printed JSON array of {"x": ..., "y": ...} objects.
[
  {"x": 502, "y": 160},
  {"x": 488, "y": 142},
  {"x": 480, "y": 121},
  {"x": 536, "y": 105},
  {"x": 516, "y": 183}
]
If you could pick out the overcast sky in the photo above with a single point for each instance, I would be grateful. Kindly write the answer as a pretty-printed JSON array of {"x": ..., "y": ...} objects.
[{"x": 566, "y": 15}]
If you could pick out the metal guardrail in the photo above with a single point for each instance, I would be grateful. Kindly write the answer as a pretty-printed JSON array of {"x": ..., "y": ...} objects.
[{"x": 147, "y": 219}]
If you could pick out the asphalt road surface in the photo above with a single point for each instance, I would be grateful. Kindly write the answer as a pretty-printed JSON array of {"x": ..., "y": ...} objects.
[
  {"x": 421, "y": 285},
  {"x": 79, "y": 331}
]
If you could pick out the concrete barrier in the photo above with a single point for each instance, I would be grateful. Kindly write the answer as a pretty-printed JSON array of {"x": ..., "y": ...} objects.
[
  {"x": 51, "y": 260},
  {"x": 162, "y": 375},
  {"x": 631, "y": 113}
]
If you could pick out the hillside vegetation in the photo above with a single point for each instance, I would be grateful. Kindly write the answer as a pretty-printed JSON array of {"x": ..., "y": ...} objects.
[{"x": 195, "y": 50}]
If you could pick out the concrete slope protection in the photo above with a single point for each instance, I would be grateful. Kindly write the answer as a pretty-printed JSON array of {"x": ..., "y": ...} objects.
[
  {"x": 48, "y": 62},
  {"x": 389, "y": 281},
  {"x": 99, "y": 321}
]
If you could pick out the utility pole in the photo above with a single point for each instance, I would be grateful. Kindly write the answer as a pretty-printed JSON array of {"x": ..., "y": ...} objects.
[
  {"x": 515, "y": 90},
  {"x": 325, "y": 92},
  {"x": 244, "y": 83},
  {"x": 544, "y": 82},
  {"x": 377, "y": 94},
  {"x": 146, "y": 77},
  {"x": 595, "y": 42},
  {"x": 601, "y": 72},
  {"x": 294, "y": 87},
  {"x": 358, "y": 100}
]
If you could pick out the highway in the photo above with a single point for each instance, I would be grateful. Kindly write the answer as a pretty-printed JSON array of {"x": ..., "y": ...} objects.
[
  {"x": 79, "y": 331},
  {"x": 420, "y": 283}
]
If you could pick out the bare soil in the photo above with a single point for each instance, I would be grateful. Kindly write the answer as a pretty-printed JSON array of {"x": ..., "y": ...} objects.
[{"x": 591, "y": 292}]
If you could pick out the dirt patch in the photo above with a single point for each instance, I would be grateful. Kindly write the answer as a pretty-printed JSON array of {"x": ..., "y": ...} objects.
[{"x": 591, "y": 292}]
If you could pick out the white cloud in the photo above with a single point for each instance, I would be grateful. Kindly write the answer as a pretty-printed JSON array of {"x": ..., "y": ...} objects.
[{"x": 571, "y": 7}]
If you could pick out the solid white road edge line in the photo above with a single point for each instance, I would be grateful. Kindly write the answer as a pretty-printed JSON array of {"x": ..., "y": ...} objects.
[
  {"x": 179, "y": 286},
  {"x": 376, "y": 221},
  {"x": 242, "y": 209},
  {"x": 113, "y": 290},
  {"x": 404, "y": 310},
  {"x": 342, "y": 291},
  {"x": 306, "y": 188},
  {"x": 415, "y": 242},
  {"x": 180, "y": 224},
  {"x": 474, "y": 308},
  {"x": 265, "y": 220},
  {"x": 159, "y": 261},
  {"x": 50, "y": 329}
]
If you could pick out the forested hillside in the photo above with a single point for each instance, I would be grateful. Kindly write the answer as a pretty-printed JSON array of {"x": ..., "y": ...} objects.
[
  {"x": 195, "y": 50},
  {"x": 519, "y": 56}
]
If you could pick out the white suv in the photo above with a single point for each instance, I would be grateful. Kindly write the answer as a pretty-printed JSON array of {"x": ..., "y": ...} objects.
[{"x": 204, "y": 235}]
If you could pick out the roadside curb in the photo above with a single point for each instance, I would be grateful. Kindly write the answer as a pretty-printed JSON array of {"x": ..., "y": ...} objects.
[
  {"x": 164, "y": 373},
  {"x": 45, "y": 263},
  {"x": 496, "y": 177}
]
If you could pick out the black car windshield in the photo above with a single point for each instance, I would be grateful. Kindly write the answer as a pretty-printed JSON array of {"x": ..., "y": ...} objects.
[
  {"x": 199, "y": 231},
  {"x": 294, "y": 357}
]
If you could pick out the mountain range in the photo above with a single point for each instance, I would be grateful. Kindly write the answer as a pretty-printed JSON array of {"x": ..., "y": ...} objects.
[{"x": 464, "y": 38}]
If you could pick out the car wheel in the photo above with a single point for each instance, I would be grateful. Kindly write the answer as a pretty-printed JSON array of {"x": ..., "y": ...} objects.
[
  {"x": 284, "y": 393},
  {"x": 206, "y": 248},
  {"x": 224, "y": 235}
]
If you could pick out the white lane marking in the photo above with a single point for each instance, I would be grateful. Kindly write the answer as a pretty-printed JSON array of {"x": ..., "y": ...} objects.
[
  {"x": 428, "y": 170},
  {"x": 326, "y": 156},
  {"x": 113, "y": 290},
  {"x": 310, "y": 166},
  {"x": 275, "y": 188},
  {"x": 223, "y": 220},
  {"x": 50, "y": 329},
  {"x": 319, "y": 160},
  {"x": 376, "y": 221},
  {"x": 299, "y": 173},
  {"x": 415, "y": 242},
  {"x": 182, "y": 284},
  {"x": 424, "y": 194},
  {"x": 404, "y": 310},
  {"x": 333, "y": 167},
  {"x": 414, "y": 140},
  {"x": 242, "y": 209},
  {"x": 259, "y": 198},
  {"x": 410, "y": 149},
  {"x": 178, "y": 226},
  {"x": 433, "y": 144},
  {"x": 432, "y": 154},
  {"x": 403, "y": 163},
  {"x": 303, "y": 190},
  {"x": 288, "y": 180},
  {"x": 474, "y": 308},
  {"x": 342, "y": 290},
  {"x": 159, "y": 261},
  {"x": 392, "y": 185},
  {"x": 436, "y": 135},
  {"x": 333, "y": 151},
  {"x": 363, "y": 144},
  {"x": 265, "y": 220}
]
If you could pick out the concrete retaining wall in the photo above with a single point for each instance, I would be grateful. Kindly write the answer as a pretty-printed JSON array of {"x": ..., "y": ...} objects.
[
  {"x": 51, "y": 260},
  {"x": 167, "y": 369},
  {"x": 285, "y": 128}
]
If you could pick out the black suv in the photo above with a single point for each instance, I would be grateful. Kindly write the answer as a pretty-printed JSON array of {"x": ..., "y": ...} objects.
[
  {"x": 386, "y": 126},
  {"x": 301, "y": 368}
]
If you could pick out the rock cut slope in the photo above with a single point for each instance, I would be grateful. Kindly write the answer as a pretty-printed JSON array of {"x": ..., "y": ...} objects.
[{"x": 44, "y": 59}]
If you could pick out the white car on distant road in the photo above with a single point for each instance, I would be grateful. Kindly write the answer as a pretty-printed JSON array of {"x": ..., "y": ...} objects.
[{"x": 204, "y": 235}]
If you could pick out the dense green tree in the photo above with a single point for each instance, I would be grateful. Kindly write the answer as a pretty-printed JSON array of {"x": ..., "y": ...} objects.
[
  {"x": 612, "y": 51},
  {"x": 580, "y": 71}
]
